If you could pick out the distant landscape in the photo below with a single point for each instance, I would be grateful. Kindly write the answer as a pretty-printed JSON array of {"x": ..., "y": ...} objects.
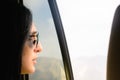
[
  {"x": 84, "y": 68},
  {"x": 48, "y": 69},
  {"x": 89, "y": 68}
]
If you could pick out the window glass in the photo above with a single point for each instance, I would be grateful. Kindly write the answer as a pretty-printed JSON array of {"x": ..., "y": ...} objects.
[
  {"x": 50, "y": 63},
  {"x": 87, "y": 25}
]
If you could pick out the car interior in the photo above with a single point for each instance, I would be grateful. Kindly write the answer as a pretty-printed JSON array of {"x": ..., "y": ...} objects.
[{"x": 113, "y": 59}]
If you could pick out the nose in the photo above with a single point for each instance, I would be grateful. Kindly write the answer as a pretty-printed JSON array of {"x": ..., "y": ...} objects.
[{"x": 38, "y": 48}]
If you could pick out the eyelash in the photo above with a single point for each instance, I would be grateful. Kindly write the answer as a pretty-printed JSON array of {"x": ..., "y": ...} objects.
[{"x": 33, "y": 41}]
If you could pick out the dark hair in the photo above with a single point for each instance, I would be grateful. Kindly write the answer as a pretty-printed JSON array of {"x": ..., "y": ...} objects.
[
  {"x": 113, "y": 60},
  {"x": 17, "y": 22}
]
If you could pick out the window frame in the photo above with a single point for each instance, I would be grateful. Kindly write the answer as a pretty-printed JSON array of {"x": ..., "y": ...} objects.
[{"x": 62, "y": 39}]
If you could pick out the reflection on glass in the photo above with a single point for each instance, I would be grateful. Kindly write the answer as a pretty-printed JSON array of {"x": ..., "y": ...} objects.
[{"x": 49, "y": 65}]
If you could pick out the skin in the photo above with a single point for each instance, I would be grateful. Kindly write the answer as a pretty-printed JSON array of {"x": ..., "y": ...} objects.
[{"x": 29, "y": 54}]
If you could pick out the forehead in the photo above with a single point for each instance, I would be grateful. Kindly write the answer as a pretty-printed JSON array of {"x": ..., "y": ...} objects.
[{"x": 33, "y": 28}]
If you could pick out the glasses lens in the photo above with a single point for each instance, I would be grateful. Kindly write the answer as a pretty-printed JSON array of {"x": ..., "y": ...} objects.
[
  {"x": 34, "y": 39},
  {"x": 37, "y": 39}
]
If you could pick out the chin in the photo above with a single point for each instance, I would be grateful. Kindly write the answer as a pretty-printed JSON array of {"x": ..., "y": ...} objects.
[
  {"x": 31, "y": 71},
  {"x": 28, "y": 71}
]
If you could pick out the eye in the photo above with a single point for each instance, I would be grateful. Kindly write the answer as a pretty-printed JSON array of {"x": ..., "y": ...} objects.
[
  {"x": 34, "y": 42},
  {"x": 33, "y": 39}
]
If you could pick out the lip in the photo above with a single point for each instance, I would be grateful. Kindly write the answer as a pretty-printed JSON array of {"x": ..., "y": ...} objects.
[{"x": 34, "y": 60}]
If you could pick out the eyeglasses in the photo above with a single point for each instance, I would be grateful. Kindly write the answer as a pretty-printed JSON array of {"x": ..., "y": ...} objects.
[{"x": 34, "y": 38}]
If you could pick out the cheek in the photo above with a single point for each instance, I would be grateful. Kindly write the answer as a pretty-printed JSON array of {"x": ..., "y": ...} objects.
[
  {"x": 26, "y": 59},
  {"x": 27, "y": 64}
]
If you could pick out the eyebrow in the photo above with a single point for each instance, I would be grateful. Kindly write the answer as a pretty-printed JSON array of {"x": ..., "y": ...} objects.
[{"x": 33, "y": 33}]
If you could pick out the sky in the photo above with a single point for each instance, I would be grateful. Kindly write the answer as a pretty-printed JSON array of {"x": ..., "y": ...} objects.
[{"x": 87, "y": 25}]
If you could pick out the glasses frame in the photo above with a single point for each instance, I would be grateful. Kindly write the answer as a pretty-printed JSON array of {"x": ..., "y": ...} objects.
[{"x": 34, "y": 35}]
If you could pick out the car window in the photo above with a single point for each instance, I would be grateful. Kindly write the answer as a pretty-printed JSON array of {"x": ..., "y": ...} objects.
[
  {"x": 87, "y": 25},
  {"x": 53, "y": 62}
]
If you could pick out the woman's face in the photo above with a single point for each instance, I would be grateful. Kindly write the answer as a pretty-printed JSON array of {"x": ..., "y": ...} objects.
[{"x": 30, "y": 50}]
